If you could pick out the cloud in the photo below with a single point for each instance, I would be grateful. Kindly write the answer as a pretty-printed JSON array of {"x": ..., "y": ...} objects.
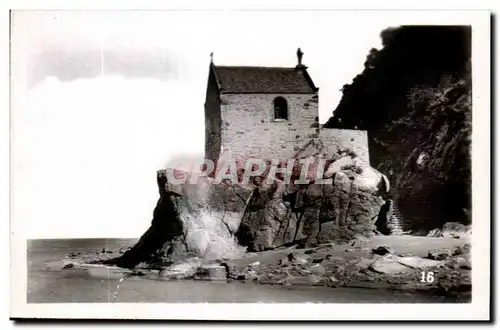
[
  {"x": 86, "y": 152},
  {"x": 67, "y": 44},
  {"x": 69, "y": 64}
]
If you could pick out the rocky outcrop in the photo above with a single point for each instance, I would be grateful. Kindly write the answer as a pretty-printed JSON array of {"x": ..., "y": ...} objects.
[
  {"x": 210, "y": 219},
  {"x": 452, "y": 229},
  {"x": 309, "y": 214},
  {"x": 189, "y": 220}
]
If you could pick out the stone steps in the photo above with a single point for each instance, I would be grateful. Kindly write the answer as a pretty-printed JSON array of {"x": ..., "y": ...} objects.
[{"x": 397, "y": 223}]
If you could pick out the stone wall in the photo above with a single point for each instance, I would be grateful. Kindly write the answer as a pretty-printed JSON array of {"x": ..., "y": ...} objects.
[
  {"x": 248, "y": 127},
  {"x": 243, "y": 126},
  {"x": 356, "y": 140}
]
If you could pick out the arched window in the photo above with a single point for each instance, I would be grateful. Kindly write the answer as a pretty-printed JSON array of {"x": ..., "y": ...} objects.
[{"x": 280, "y": 108}]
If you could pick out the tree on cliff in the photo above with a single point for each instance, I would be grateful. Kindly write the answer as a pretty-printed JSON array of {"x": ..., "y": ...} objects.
[
  {"x": 413, "y": 98},
  {"x": 411, "y": 56}
]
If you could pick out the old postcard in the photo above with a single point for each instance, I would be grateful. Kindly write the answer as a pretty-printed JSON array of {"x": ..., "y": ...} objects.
[{"x": 302, "y": 161}]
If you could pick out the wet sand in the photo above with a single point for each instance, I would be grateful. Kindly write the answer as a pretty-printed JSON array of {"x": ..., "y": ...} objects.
[{"x": 48, "y": 284}]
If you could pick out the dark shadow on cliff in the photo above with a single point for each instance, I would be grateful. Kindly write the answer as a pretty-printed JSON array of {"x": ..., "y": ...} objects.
[
  {"x": 414, "y": 99},
  {"x": 165, "y": 227}
]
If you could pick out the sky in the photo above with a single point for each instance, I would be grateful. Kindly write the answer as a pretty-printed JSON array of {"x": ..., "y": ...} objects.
[{"x": 103, "y": 99}]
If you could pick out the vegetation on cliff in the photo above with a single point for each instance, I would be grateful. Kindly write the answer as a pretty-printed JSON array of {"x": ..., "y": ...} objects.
[
  {"x": 414, "y": 99},
  {"x": 432, "y": 157}
]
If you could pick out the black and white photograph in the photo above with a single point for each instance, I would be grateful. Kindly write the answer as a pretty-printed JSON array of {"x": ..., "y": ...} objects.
[{"x": 279, "y": 158}]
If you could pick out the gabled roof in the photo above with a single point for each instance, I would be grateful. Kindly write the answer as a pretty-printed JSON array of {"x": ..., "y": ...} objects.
[{"x": 263, "y": 80}]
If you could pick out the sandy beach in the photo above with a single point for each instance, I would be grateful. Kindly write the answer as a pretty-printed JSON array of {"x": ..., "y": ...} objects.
[{"x": 59, "y": 271}]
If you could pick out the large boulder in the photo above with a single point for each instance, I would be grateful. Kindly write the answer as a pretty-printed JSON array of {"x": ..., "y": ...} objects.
[
  {"x": 311, "y": 214},
  {"x": 210, "y": 213},
  {"x": 189, "y": 220}
]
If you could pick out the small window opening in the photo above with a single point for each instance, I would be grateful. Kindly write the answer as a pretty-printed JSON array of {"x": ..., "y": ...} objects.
[{"x": 280, "y": 108}]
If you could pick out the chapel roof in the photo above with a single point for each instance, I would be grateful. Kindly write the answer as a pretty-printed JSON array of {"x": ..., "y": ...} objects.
[{"x": 263, "y": 80}]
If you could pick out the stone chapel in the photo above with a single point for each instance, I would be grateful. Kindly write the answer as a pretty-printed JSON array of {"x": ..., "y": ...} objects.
[{"x": 268, "y": 113}]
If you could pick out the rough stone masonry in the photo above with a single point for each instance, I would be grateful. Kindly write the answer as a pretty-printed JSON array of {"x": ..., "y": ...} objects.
[{"x": 270, "y": 113}]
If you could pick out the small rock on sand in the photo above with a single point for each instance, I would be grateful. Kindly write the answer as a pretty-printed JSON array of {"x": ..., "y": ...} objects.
[
  {"x": 317, "y": 269},
  {"x": 299, "y": 261},
  {"x": 388, "y": 266},
  {"x": 418, "y": 262},
  {"x": 383, "y": 250},
  {"x": 464, "y": 249},
  {"x": 463, "y": 263},
  {"x": 296, "y": 260},
  {"x": 460, "y": 262},
  {"x": 180, "y": 271},
  {"x": 364, "y": 263},
  {"x": 254, "y": 264},
  {"x": 440, "y": 254},
  {"x": 331, "y": 281},
  {"x": 250, "y": 275}
]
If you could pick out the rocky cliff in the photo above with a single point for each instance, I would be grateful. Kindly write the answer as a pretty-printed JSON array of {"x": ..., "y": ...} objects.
[
  {"x": 212, "y": 219},
  {"x": 414, "y": 99}
]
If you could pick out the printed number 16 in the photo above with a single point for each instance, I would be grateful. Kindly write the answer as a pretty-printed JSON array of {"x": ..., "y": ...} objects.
[{"x": 427, "y": 277}]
